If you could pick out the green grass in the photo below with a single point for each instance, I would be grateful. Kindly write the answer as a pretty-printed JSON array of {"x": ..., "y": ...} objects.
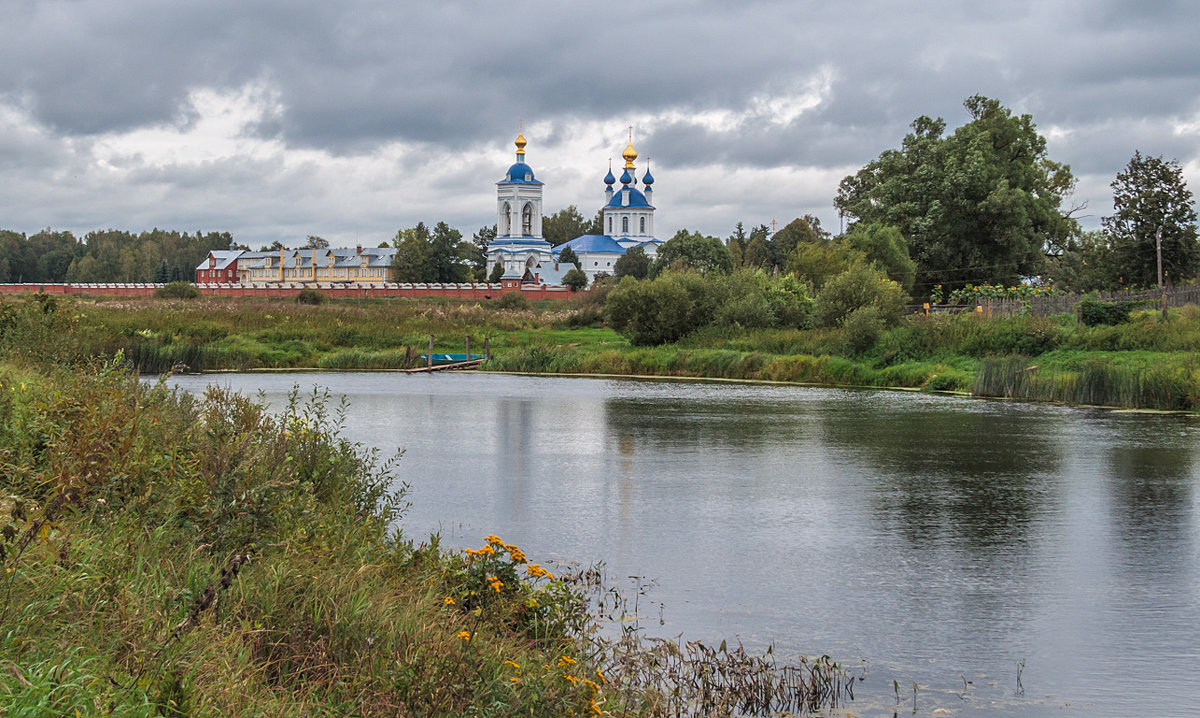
[{"x": 939, "y": 352}]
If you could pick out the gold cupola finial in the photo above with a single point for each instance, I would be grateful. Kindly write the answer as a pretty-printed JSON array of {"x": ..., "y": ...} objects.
[
  {"x": 520, "y": 143},
  {"x": 629, "y": 154}
]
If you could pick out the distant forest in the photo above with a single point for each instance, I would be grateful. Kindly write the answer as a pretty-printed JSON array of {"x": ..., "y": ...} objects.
[{"x": 106, "y": 256}]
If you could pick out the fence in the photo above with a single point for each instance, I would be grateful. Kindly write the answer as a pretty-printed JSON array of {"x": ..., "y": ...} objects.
[
  {"x": 460, "y": 291},
  {"x": 1044, "y": 306}
]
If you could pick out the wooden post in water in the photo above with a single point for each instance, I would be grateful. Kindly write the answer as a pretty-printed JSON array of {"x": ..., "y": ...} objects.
[
  {"x": 429, "y": 356},
  {"x": 407, "y": 355},
  {"x": 487, "y": 348},
  {"x": 468, "y": 347}
]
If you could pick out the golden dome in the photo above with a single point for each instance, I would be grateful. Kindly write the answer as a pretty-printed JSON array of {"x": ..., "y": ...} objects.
[
  {"x": 630, "y": 155},
  {"x": 521, "y": 142}
]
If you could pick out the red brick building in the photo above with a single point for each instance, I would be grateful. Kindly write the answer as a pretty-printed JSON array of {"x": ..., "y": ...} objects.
[{"x": 221, "y": 267}]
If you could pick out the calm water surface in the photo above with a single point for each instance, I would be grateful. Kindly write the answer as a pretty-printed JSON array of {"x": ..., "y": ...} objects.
[{"x": 912, "y": 537}]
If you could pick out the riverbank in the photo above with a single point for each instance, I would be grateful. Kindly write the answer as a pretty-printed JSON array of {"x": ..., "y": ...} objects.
[
  {"x": 1145, "y": 363},
  {"x": 165, "y": 554}
]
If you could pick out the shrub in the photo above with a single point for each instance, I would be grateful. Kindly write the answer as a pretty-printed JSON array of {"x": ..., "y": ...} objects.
[
  {"x": 177, "y": 290},
  {"x": 862, "y": 328},
  {"x": 859, "y": 286},
  {"x": 311, "y": 296},
  {"x": 511, "y": 300},
  {"x": 790, "y": 302},
  {"x": 1094, "y": 313},
  {"x": 664, "y": 309},
  {"x": 753, "y": 300},
  {"x": 749, "y": 303}
]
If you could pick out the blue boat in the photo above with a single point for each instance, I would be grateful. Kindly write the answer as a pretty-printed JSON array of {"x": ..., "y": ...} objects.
[{"x": 440, "y": 359}]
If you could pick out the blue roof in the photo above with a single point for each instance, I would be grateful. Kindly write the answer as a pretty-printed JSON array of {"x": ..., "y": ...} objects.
[
  {"x": 655, "y": 242},
  {"x": 608, "y": 178},
  {"x": 626, "y": 178},
  {"x": 520, "y": 173},
  {"x": 648, "y": 179},
  {"x": 636, "y": 199},
  {"x": 596, "y": 243}
]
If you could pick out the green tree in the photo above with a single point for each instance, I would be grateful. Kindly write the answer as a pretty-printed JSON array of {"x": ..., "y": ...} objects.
[
  {"x": 483, "y": 238},
  {"x": 445, "y": 262},
  {"x": 497, "y": 273},
  {"x": 312, "y": 241},
  {"x": 1084, "y": 263},
  {"x": 575, "y": 279},
  {"x": 692, "y": 250},
  {"x": 412, "y": 261},
  {"x": 634, "y": 263},
  {"x": 564, "y": 225},
  {"x": 757, "y": 254},
  {"x": 568, "y": 256},
  {"x": 1150, "y": 195},
  {"x": 162, "y": 275},
  {"x": 737, "y": 244},
  {"x": 978, "y": 206},
  {"x": 806, "y": 229},
  {"x": 818, "y": 262},
  {"x": 885, "y": 246}
]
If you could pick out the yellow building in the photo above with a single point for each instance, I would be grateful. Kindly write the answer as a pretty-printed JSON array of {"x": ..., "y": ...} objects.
[{"x": 347, "y": 266}]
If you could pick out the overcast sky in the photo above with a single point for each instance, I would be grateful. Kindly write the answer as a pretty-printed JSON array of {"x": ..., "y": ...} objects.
[{"x": 353, "y": 119}]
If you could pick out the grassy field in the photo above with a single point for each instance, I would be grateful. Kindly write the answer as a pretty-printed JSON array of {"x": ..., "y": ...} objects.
[{"x": 1145, "y": 363}]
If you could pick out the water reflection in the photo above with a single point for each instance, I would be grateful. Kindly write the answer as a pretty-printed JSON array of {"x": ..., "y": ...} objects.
[{"x": 977, "y": 478}]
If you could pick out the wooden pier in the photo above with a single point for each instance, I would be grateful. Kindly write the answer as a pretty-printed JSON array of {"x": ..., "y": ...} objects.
[{"x": 470, "y": 361}]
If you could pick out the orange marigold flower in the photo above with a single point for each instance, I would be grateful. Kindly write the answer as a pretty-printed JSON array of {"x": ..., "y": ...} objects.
[
  {"x": 448, "y": 601},
  {"x": 465, "y": 635}
]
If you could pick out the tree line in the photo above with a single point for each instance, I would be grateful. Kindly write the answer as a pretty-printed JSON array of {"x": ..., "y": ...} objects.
[{"x": 106, "y": 255}]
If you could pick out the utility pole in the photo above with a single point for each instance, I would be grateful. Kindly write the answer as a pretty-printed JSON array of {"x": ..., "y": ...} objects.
[
  {"x": 1161, "y": 289},
  {"x": 1158, "y": 243}
]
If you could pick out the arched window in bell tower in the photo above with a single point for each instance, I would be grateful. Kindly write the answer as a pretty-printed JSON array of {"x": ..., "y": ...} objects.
[
  {"x": 527, "y": 220},
  {"x": 505, "y": 219},
  {"x": 624, "y": 225},
  {"x": 642, "y": 225}
]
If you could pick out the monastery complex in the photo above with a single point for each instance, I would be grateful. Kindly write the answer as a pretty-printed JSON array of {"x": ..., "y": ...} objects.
[{"x": 528, "y": 259}]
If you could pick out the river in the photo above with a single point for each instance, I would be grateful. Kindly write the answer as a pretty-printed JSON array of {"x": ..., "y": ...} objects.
[{"x": 1011, "y": 559}]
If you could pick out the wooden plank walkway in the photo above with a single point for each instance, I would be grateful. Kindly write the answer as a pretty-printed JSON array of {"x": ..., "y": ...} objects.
[{"x": 469, "y": 364}]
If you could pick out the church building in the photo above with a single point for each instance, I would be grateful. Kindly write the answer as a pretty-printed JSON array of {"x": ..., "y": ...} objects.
[
  {"x": 627, "y": 217},
  {"x": 519, "y": 245}
]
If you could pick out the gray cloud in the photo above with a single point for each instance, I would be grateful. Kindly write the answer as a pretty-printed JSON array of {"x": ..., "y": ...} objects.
[{"x": 452, "y": 79}]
